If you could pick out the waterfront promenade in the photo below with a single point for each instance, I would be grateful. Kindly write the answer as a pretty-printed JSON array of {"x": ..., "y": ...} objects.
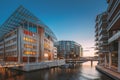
[
  {"x": 36, "y": 66},
  {"x": 109, "y": 72}
]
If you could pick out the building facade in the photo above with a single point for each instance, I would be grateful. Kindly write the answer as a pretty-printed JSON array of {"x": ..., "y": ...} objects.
[
  {"x": 112, "y": 58},
  {"x": 55, "y": 52},
  {"x": 69, "y": 49},
  {"x": 24, "y": 38},
  {"x": 101, "y": 37}
]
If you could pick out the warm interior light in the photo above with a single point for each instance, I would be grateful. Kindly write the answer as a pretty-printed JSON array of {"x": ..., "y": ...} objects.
[
  {"x": 45, "y": 55},
  {"x": 29, "y": 39},
  {"x": 30, "y": 52}
]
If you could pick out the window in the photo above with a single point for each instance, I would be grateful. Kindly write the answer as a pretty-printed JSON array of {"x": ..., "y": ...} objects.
[
  {"x": 30, "y": 46},
  {"x": 29, "y": 39},
  {"x": 30, "y": 52}
]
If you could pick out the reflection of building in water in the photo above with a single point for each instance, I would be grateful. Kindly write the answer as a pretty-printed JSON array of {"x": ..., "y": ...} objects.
[{"x": 23, "y": 38}]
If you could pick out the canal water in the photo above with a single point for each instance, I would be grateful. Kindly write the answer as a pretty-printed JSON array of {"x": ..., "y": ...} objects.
[{"x": 82, "y": 71}]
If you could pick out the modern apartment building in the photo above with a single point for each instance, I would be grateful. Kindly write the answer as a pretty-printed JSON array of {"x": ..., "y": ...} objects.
[
  {"x": 112, "y": 58},
  {"x": 101, "y": 37},
  {"x": 114, "y": 34},
  {"x": 24, "y": 38},
  {"x": 69, "y": 49}
]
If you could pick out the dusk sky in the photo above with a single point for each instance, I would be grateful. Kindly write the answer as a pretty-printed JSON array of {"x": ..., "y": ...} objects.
[{"x": 68, "y": 19}]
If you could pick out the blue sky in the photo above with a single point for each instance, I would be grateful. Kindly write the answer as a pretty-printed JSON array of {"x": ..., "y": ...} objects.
[{"x": 68, "y": 19}]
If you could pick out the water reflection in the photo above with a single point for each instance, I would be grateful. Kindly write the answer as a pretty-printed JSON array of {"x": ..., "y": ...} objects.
[{"x": 84, "y": 71}]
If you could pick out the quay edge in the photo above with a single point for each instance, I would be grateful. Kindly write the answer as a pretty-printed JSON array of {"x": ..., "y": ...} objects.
[
  {"x": 110, "y": 73},
  {"x": 38, "y": 66}
]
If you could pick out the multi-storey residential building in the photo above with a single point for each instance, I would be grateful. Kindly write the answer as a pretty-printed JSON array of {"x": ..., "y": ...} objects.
[
  {"x": 24, "y": 38},
  {"x": 101, "y": 37},
  {"x": 114, "y": 34},
  {"x": 113, "y": 27},
  {"x": 69, "y": 49}
]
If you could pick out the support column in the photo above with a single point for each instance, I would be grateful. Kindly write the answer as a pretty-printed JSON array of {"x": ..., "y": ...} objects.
[
  {"x": 37, "y": 55},
  {"x": 19, "y": 45},
  {"x": 118, "y": 55},
  {"x": 99, "y": 59},
  {"x": 105, "y": 60},
  {"x": 110, "y": 59},
  {"x": 41, "y": 43},
  {"x": 28, "y": 61}
]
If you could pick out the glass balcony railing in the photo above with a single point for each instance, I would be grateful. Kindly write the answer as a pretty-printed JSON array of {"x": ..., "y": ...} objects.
[
  {"x": 114, "y": 20},
  {"x": 102, "y": 30},
  {"x": 103, "y": 37},
  {"x": 116, "y": 17},
  {"x": 114, "y": 37}
]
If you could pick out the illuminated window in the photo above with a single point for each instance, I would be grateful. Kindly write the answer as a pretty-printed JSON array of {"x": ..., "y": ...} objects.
[
  {"x": 30, "y": 52},
  {"x": 29, "y": 39},
  {"x": 28, "y": 46}
]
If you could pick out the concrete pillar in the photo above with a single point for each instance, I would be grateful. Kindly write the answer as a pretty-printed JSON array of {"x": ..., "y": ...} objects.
[
  {"x": 118, "y": 55},
  {"x": 28, "y": 60},
  {"x": 19, "y": 46},
  {"x": 110, "y": 59},
  {"x": 99, "y": 59},
  {"x": 105, "y": 59},
  {"x": 41, "y": 42},
  {"x": 37, "y": 55}
]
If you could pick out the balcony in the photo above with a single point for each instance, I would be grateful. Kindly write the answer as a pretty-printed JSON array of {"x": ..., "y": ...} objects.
[
  {"x": 115, "y": 19},
  {"x": 114, "y": 37},
  {"x": 103, "y": 37},
  {"x": 103, "y": 44},
  {"x": 113, "y": 7},
  {"x": 103, "y": 21},
  {"x": 102, "y": 30},
  {"x": 108, "y": 1},
  {"x": 96, "y": 34},
  {"x": 96, "y": 39},
  {"x": 110, "y": 4},
  {"x": 96, "y": 48},
  {"x": 104, "y": 51},
  {"x": 96, "y": 43},
  {"x": 96, "y": 29},
  {"x": 96, "y": 52}
]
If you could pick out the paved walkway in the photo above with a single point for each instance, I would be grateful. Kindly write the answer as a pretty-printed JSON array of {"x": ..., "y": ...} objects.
[{"x": 111, "y": 73}]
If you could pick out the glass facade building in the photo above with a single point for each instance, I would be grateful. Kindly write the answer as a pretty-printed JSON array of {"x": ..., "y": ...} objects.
[
  {"x": 68, "y": 49},
  {"x": 24, "y": 38}
]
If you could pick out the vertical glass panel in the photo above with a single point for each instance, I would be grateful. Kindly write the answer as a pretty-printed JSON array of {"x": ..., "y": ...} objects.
[{"x": 32, "y": 28}]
